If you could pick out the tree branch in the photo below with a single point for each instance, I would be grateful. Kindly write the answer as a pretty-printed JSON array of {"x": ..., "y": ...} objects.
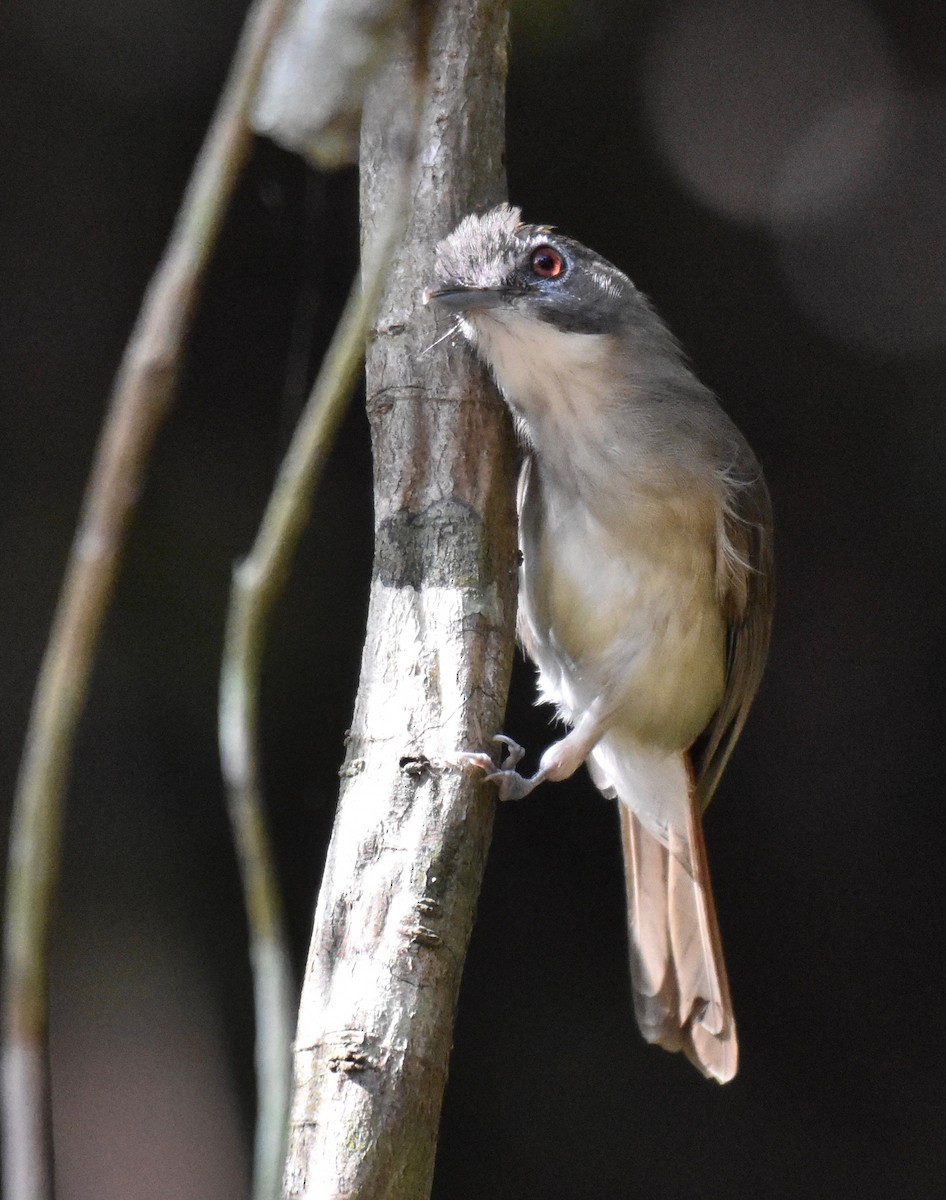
[
  {"x": 257, "y": 583},
  {"x": 142, "y": 394},
  {"x": 407, "y": 854}
]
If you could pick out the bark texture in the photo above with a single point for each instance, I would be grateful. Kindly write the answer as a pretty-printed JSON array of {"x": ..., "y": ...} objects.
[{"x": 406, "y": 859}]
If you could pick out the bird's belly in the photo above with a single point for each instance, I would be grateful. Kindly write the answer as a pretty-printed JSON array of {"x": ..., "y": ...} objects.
[{"x": 632, "y": 627}]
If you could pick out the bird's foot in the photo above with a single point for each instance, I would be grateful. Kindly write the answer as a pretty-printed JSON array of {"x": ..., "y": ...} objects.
[
  {"x": 514, "y": 752},
  {"x": 510, "y": 785}
]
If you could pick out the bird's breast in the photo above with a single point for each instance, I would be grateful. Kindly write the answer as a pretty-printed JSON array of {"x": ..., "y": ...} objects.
[{"x": 624, "y": 615}]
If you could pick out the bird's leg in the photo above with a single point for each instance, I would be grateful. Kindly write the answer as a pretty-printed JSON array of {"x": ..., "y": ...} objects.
[{"x": 560, "y": 760}]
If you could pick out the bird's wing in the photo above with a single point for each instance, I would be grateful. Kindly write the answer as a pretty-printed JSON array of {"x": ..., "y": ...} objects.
[{"x": 745, "y": 586}]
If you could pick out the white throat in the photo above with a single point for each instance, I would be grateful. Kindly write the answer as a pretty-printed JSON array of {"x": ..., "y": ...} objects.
[{"x": 556, "y": 381}]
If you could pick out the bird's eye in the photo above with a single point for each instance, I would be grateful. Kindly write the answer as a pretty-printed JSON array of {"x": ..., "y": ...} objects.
[{"x": 546, "y": 262}]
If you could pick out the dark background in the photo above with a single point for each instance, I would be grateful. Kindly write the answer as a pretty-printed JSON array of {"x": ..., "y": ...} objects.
[{"x": 774, "y": 177}]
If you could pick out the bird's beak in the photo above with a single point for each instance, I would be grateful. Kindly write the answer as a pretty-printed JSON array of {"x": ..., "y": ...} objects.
[{"x": 458, "y": 298}]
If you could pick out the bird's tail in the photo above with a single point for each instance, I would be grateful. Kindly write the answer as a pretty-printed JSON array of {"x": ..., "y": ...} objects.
[{"x": 681, "y": 992}]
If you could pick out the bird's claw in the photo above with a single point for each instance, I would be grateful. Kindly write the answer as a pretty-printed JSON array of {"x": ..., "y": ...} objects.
[
  {"x": 515, "y": 752},
  {"x": 475, "y": 758},
  {"x": 510, "y": 785}
]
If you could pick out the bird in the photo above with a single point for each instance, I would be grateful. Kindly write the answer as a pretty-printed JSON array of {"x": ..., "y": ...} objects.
[{"x": 645, "y": 582}]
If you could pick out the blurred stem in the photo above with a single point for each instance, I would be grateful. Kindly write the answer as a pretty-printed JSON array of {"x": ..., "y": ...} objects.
[
  {"x": 140, "y": 399},
  {"x": 257, "y": 583}
]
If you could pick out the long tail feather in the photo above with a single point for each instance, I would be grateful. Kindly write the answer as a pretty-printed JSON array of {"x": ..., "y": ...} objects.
[
  {"x": 656, "y": 998},
  {"x": 681, "y": 991}
]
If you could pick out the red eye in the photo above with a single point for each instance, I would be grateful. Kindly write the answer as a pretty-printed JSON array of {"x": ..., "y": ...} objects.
[{"x": 546, "y": 262}]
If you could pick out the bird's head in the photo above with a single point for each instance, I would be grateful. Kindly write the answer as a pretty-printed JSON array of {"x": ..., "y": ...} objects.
[{"x": 495, "y": 267}]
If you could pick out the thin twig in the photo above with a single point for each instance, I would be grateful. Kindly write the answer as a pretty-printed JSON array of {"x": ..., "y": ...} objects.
[
  {"x": 140, "y": 399},
  {"x": 257, "y": 583}
]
